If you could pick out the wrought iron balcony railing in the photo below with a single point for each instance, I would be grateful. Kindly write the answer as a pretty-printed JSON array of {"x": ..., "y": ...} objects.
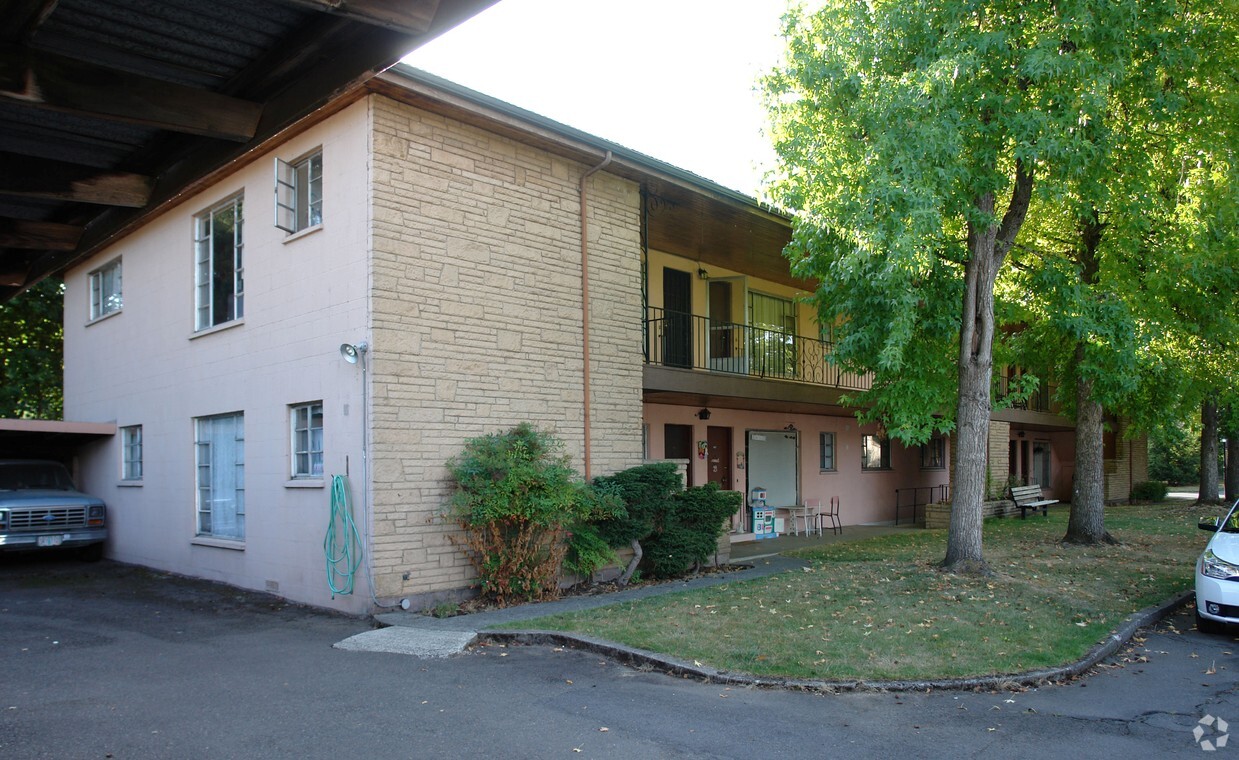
[{"x": 676, "y": 339}]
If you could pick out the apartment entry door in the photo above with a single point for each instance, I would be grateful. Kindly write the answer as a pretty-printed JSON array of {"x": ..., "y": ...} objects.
[
  {"x": 678, "y": 444},
  {"x": 718, "y": 445},
  {"x": 677, "y": 318}
]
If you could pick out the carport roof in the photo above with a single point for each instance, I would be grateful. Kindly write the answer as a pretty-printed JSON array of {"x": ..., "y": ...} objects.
[
  {"x": 48, "y": 439},
  {"x": 111, "y": 109}
]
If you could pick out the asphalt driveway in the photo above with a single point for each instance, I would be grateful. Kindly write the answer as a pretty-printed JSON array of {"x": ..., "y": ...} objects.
[{"x": 107, "y": 660}]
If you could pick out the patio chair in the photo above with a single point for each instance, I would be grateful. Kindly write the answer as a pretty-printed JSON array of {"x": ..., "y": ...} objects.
[
  {"x": 807, "y": 511},
  {"x": 830, "y": 515}
]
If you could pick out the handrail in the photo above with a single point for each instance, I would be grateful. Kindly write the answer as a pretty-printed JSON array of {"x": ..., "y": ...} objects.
[
  {"x": 933, "y": 494},
  {"x": 689, "y": 341}
]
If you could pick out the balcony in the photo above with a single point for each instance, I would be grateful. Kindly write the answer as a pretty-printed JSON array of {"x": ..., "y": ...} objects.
[
  {"x": 686, "y": 341},
  {"x": 1042, "y": 400}
]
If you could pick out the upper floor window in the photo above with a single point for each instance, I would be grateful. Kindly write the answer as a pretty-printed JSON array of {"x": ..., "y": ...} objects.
[
  {"x": 299, "y": 193},
  {"x": 131, "y": 452},
  {"x": 219, "y": 282},
  {"x": 105, "y": 290},
  {"x": 875, "y": 452},
  {"x": 828, "y": 452},
  {"x": 307, "y": 440},
  {"x": 933, "y": 454}
]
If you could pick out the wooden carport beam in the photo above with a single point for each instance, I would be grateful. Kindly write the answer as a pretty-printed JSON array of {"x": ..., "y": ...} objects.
[
  {"x": 43, "y": 236},
  {"x": 27, "y": 177},
  {"x": 55, "y": 82},
  {"x": 406, "y": 16},
  {"x": 23, "y": 17}
]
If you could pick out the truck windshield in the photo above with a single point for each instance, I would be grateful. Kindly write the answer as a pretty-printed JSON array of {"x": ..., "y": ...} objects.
[{"x": 26, "y": 476}]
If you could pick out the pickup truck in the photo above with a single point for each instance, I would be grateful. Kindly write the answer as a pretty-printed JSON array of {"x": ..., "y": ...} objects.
[{"x": 41, "y": 509}]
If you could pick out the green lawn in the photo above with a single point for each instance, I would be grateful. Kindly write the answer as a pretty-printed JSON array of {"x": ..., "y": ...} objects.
[{"x": 878, "y": 609}]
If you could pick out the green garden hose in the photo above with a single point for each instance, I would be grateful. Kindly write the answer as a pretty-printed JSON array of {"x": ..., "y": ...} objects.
[{"x": 342, "y": 544}]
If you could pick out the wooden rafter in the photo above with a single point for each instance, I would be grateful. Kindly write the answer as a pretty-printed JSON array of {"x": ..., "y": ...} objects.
[
  {"x": 43, "y": 236},
  {"x": 46, "y": 80},
  {"x": 23, "y": 17},
  {"x": 406, "y": 16},
  {"x": 30, "y": 177}
]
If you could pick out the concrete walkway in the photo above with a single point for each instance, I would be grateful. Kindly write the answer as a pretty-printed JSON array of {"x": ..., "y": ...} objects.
[{"x": 423, "y": 635}]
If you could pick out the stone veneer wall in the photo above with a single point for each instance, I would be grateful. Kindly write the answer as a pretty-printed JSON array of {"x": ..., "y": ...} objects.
[
  {"x": 476, "y": 322},
  {"x": 999, "y": 459},
  {"x": 1130, "y": 466}
]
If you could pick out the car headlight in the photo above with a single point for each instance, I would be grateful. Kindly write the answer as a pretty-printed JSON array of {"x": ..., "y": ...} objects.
[{"x": 1214, "y": 567}]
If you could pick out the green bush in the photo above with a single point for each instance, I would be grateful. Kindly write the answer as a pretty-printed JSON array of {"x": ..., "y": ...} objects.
[
  {"x": 689, "y": 529},
  {"x": 588, "y": 552},
  {"x": 645, "y": 491},
  {"x": 674, "y": 529},
  {"x": 1149, "y": 490},
  {"x": 515, "y": 497}
]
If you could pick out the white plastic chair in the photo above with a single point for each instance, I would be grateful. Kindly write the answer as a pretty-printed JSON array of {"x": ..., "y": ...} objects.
[{"x": 807, "y": 511}]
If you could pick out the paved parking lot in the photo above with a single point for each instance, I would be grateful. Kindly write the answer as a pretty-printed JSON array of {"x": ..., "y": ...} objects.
[{"x": 106, "y": 660}]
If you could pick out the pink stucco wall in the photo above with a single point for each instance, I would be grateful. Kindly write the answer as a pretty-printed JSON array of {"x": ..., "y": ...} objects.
[{"x": 866, "y": 497}]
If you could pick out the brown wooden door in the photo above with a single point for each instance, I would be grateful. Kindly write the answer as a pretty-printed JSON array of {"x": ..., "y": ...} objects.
[{"x": 718, "y": 456}]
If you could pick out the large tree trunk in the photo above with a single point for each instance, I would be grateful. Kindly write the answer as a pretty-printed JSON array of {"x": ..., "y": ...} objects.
[
  {"x": 1231, "y": 471},
  {"x": 987, "y": 248},
  {"x": 1087, "y": 523},
  {"x": 976, "y": 363},
  {"x": 1208, "y": 452}
]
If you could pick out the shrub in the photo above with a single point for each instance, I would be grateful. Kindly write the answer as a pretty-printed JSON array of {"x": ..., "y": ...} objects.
[
  {"x": 588, "y": 551},
  {"x": 689, "y": 529},
  {"x": 515, "y": 498},
  {"x": 1149, "y": 490},
  {"x": 645, "y": 492},
  {"x": 670, "y": 529}
]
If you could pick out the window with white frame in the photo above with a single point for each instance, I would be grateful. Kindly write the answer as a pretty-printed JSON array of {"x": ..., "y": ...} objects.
[
  {"x": 827, "y": 441},
  {"x": 219, "y": 282},
  {"x": 131, "y": 452},
  {"x": 219, "y": 444},
  {"x": 105, "y": 290},
  {"x": 307, "y": 440},
  {"x": 299, "y": 193},
  {"x": 875, "y": 452},
  {"x": 933, "y": 454}
]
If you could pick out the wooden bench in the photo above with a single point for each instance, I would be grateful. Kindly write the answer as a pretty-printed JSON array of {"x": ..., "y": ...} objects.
[{"x": 1029, "y": 497}]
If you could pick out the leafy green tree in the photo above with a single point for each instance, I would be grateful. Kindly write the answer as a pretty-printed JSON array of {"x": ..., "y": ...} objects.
[
  {"x": 32, "y": 353},
  {"x": 1174, "y": 452},
  {"x": 912, "y": 136},
  {"x": 1099, "y": 249}
]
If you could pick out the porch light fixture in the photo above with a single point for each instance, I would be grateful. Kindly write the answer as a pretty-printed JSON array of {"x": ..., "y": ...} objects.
[
  {"x": 704, "y": 414},
  {"x": 1020, "y": 434},
  {"x": 352, "y": 353},
  {"x": 791, "y": 427},
  {"x": 703, "y": 274}
]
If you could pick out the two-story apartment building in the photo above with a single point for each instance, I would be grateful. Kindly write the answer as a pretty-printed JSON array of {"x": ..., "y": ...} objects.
[{"x": 417, "y": 265}]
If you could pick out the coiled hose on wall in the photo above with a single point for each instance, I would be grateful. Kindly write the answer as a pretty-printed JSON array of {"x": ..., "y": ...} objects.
[{"x": 342, "y": 544}]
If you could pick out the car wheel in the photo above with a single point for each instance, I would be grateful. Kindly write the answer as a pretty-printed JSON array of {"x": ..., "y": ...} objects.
[
  {"x": 1205, "y": 625},
  {"x": 92, "y": 553}
]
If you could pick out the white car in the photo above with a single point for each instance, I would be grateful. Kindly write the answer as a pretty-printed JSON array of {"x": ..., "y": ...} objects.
[{"x": 1217, "y": 573}]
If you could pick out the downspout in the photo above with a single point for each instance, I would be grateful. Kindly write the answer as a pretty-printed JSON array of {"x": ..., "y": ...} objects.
[{"x": 585, "y": 311}]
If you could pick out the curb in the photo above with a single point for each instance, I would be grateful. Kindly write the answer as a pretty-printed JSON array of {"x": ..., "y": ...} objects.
[{"x": 643, "y": 659}]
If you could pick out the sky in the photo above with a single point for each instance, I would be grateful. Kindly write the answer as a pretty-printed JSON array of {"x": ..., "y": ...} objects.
[{"x": 674, "y": 79}]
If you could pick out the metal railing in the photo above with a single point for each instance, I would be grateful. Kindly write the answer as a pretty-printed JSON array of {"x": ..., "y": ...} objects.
[
  {"x": 676, "y": 339},
  {"x": 919, "y": 496},
  {"x": 1042, "y": 400}
]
